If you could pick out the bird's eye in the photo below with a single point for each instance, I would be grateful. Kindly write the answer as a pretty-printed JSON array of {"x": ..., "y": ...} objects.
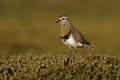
[{"x": 63, "y": 18}]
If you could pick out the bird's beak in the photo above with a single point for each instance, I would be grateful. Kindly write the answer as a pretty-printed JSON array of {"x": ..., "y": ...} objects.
[{"x": 57, "y": 21}]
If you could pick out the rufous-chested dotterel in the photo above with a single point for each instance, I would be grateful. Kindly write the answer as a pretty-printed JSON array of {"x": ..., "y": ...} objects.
[{"x": 70, "y": 35}]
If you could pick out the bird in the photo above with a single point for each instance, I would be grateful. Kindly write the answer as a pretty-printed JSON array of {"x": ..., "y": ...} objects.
[{"x": 71, "y": 36}]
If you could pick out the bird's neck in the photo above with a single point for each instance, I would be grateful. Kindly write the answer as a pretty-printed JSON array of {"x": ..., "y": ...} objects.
[{"x": 66, "y": 24}]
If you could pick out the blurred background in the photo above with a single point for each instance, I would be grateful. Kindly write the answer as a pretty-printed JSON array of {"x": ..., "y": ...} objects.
[{"x": 28, "y": 26}]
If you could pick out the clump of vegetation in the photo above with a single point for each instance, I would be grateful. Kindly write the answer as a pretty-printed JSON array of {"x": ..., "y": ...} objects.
[{"x": 59, "y": 67}]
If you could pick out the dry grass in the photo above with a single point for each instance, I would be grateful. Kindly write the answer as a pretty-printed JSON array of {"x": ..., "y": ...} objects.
[{"x": 28, "y": 26}]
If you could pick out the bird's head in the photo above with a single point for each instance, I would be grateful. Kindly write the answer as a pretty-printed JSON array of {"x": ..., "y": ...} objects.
[{"x": 62, "y": 20}]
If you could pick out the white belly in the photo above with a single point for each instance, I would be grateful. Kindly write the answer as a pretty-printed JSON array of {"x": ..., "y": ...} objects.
[{"x": 71, "y": 42}]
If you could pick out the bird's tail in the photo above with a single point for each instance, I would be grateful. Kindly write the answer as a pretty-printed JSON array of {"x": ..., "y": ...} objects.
[{"x": 90, "y": 45}]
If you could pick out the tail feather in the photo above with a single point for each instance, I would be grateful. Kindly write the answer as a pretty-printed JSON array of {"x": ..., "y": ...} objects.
[{"x": 90, "y": 45}]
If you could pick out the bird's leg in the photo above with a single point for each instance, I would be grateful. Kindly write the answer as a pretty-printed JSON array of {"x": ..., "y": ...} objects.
[
  {"x": 76, "y": 50},
  {"x": 70, "y": 49}
]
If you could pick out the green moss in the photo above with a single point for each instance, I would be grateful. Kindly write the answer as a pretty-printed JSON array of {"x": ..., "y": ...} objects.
[{"x": 32, "y": 67}]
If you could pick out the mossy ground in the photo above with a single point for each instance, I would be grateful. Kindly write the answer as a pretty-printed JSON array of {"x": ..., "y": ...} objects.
[{"x": 59, "y": 67}]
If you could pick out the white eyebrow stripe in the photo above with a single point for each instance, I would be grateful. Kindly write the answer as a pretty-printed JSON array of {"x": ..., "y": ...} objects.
[{"x": 64, "y": 17}]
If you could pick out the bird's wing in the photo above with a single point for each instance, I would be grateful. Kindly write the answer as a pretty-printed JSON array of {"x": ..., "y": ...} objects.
[
  {"x": 81, "y": 39},
  {"x": 78, "y": 36},
  {"x": 64, "y": 32}
]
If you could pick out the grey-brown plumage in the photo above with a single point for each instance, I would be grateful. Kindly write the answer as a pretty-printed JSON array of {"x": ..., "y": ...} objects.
[
  {"x": 79, "y": 37},
  {"x": 71, "y": 36}
]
